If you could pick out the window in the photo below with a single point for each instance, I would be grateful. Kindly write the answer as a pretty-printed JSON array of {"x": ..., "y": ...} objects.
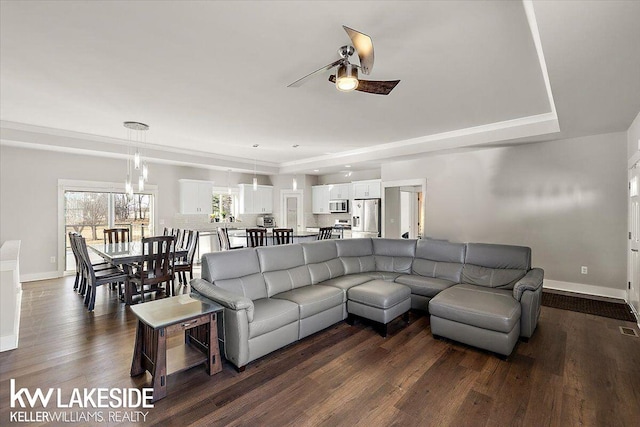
[{"x": 224, "y": 204}]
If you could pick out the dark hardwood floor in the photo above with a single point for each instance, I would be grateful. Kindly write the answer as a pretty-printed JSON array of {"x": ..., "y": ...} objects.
[{"x": 577, "y": 369}]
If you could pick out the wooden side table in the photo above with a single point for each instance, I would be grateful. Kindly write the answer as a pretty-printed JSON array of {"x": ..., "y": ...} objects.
[{"x": 160, "y": 319}]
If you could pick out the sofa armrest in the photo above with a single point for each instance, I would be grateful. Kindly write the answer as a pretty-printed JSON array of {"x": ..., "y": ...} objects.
[
  {"x": 532, "y": 281},
  {"x": 223, "y": 297}
]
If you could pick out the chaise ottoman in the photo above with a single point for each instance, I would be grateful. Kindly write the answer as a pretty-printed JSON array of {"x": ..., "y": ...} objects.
[
  {"x": 380, "y": 301},
  {"x": 483, "y": 317}
]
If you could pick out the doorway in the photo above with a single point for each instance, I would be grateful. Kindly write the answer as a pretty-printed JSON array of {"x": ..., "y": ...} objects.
[
  {"x": 403, "y": 210},
  {"x": 291, "y": 209},
  {"x": 633, "y": 273}
]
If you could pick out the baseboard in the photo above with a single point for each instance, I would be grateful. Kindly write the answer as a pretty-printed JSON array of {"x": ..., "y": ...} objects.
[
  {"x": 39, "y": 276},
  {"x": 581, "y": 288},
  {"x": 635, "y": 313}
]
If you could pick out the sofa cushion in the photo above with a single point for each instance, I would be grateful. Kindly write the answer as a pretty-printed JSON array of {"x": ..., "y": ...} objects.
[
  {"x": 394, "y": 255},
  {"x": 356, "y": 255},
  {"x": 271, "y": 314},
  {"x": 492, "y": 309},
  {"x": 283, "y": 268},
  {"x": 322, "y": 260},
  {"x": 383, "y": 275},
  {"x": 495, "y": 266},
  {"x": 346, "y": 282},
  {"x": 313, "y": 299},
  {"x": 425, "y": 286},
  {"x": 439, "y": 259},
  {"x": 236, "y": 271}
]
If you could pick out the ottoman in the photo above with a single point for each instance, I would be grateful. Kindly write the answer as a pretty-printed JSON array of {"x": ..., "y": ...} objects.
[
  {"x": 379, "y": 301},
  {"x": 483, "y": 317}
]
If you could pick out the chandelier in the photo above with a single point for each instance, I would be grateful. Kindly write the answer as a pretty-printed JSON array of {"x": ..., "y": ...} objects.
[{"x": 136, "y": 135}]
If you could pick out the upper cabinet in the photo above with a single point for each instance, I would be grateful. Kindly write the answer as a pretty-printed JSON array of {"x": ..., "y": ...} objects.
[
  {"x": 258, "y": 201},
  {"x": 366, "y": 189},
  {"x": 320, "y": 196},
  {"x": 339, "y": 191},
  {"x": 195, "y": 196}
]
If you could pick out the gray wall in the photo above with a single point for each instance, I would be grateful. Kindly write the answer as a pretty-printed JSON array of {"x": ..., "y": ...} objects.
[
  {"x": 29, "y": 205},
  {"x": 565, "y": 199}
]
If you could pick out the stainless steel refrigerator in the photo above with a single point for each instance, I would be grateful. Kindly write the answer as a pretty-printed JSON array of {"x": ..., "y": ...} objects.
[{"x": 365, "y": 218}]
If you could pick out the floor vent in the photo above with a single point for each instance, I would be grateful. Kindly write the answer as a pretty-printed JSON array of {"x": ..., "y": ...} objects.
[{"x": 628, "y": 331}]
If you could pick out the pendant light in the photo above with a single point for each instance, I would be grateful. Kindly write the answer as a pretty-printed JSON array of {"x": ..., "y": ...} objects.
[
  {"x": 228, "y": 181},
  {"x": 255, "y": 177},
  {"x": 294, "y": 183},
  {"x": 137, "y": 161}
]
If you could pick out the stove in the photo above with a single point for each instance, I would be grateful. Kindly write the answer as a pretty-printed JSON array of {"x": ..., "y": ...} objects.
[{"x": 342, "y": 228}]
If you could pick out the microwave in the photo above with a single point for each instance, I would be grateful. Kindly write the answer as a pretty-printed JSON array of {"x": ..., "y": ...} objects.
[{"x": 338, "y": 206}]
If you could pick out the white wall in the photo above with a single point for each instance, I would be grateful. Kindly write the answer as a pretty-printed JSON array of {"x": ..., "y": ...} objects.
[
  {"x": 565, "y": 199},
  {"x": 29, "y": 188}
]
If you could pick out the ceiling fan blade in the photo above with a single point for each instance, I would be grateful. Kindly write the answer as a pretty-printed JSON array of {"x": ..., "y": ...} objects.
[
  {"x": 364, "y": 46},
  {"x": 300, "y": 81},
  {"x": 373, "y": 86}
]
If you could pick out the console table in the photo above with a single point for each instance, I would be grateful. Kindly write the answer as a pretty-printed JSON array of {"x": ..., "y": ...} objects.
[{"x": 162, "y": 318}]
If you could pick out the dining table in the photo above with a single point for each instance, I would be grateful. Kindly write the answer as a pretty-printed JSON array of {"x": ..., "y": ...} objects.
[{"x": 126, "y": 254}]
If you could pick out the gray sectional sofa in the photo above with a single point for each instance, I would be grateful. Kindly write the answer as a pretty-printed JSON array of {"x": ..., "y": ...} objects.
[{"x": 479, "y": 294}]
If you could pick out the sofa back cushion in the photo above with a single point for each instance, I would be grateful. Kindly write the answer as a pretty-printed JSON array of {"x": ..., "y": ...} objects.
[
  {"x": 394, "y": 255},
  {"x": 495, "y": 266},
  {"x": 283, "y": 268},
  {"x": 439, "y": 259},
  {"x": 236, "y": 271},
  {"x": 356, "y": 255},
  {"x": 322, "y": 260}
]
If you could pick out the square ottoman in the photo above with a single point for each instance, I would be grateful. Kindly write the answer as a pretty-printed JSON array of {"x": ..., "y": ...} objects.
[
  {"x": 483, "y": 317},
  {"x": 379, "y": 301}
]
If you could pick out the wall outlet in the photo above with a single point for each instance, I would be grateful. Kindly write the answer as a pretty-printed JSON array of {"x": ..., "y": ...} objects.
[
  {"x": 52, "y": 260},
  {"x": 584, "y": 270}
]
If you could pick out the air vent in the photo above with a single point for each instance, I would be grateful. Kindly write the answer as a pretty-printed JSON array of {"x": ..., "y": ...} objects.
[{"x": 628, "y": 331}]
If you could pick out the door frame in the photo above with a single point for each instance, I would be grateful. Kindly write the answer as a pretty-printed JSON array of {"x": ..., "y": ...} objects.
[
  {"x": 422, "y": 182},
  {"x": 299, "y": 196},
  {"x": 633, "y": 242}
]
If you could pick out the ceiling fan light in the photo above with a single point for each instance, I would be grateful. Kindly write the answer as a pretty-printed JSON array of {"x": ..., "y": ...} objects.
[{"x": 347, "y": 78}]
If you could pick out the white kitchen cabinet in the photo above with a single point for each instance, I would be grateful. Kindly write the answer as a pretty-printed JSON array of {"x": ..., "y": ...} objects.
[
  {"x": 195, "y": 196},
  {"x": 340, "y": 191},
  {"x": 366, "y": 189},
  {"x": 258, "y": 201},
  {"x": 320, "y": 196}
]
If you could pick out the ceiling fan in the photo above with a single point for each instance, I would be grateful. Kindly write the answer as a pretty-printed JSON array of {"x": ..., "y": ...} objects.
[{"x": 346, "y": 77}]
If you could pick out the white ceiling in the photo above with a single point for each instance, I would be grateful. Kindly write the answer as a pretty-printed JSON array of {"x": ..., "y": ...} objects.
[{"x": 210, "y": 78}]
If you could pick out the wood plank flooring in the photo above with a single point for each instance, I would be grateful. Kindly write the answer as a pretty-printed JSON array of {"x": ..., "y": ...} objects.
[{"x": 576, "y": 370}]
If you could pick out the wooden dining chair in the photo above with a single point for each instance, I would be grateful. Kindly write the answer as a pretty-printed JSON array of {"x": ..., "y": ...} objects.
[
  {"x": 80, "y": 283},
  {"x": 223, "y": 239},
  {"x": 180, "y": 235},
  {"x": 256, "y": 237},
  {"x": 167, "y": 232},
  {"x": 325, "y": 233},
  {"x": 97, "y": 278},
  {"x": 185, "y": 265},
  {"x": 282, "y": 236},
  {"x": 116, "y": 235},
  {"x": 155, "y": 268}
]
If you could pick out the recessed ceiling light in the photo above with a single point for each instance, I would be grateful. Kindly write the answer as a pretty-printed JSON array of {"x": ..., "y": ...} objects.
[
  {"x": 296, "y": 145},
  {"x": 256, "y": 145},
  {"x": 347, "y": 166},
  {"x": 316, "y": 170}
]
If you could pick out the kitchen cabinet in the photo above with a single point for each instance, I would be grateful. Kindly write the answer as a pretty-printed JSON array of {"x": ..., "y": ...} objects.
[
  {"x": 339, "y": 191},
  {"x": 258, "y": 201},
  {"x": 195, "y": 196},
  {"x": 366, "y": 189},
  {"x": 320, "y": 196}
]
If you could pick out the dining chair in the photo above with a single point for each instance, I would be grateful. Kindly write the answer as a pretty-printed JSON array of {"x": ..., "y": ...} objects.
[
  {"x": 80, "y": 283},
  {"x": 282, "y": 236},
  {"x": 184, "y": 265},
  {"x": 155, "y": 268},
  {"x": 325, "y": 233},
  {"x": 223, "y": 239},
  {"x": 256, "y": 237},
  {"x": 116, "y": 235},
  {"x": 167, "y": 232},
  {"x": 97, "y": 278},
  {"x": 180, "y": 235}
]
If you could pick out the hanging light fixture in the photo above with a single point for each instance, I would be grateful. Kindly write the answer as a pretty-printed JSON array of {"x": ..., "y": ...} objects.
[
  {"x": 255, "y": 177},
  {"x": 228, "y": 181},
  {"x": 138, "y": 164},
  {"x": 294, "y": 183}
]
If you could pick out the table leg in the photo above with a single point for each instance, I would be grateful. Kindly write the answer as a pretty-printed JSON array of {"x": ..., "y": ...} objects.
[
  {"x": 160, "y": 366},
  {"x": 214, "y": 364},
  {"x": 136, "y": 363}
]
